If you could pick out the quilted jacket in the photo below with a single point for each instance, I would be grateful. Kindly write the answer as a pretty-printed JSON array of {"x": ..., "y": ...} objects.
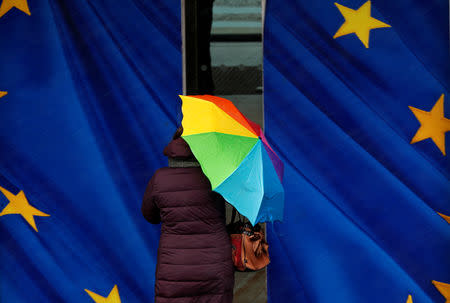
[{"x": 194, "y": 254}]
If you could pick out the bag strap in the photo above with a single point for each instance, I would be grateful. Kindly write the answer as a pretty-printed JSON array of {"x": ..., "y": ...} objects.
[{"x": 233, "y": 215}]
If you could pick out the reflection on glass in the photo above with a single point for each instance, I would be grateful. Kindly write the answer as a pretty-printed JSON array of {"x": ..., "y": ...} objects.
[
  {"x": 236, "y": 54},
  {"x": 237, "y": 17}
]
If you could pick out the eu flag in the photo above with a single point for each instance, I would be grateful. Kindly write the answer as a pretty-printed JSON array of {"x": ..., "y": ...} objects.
[
  {"x": 357, "y": 103},
  {"x": 88, "y": 99}
]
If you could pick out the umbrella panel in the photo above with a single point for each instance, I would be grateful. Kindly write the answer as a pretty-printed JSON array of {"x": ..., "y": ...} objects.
[
  {"x": 219, "y": 154},
  {"x": 244, "y": 188},
  {"x": 272, "y": 204},
  {"x": 200, "y": 116},
  {"x": 228, "y": 107}
]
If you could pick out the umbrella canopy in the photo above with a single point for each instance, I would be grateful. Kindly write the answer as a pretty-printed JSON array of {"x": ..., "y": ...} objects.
[{"x": 235, "y": 156}]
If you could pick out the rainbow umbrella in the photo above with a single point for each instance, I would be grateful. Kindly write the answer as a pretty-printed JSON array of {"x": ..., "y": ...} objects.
[{"x": 235, "y": 156}]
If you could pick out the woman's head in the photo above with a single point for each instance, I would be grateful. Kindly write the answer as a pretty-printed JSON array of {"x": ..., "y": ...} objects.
[
  {"x": 178, "y": 148},
  {"x": 178, "y": 133}
]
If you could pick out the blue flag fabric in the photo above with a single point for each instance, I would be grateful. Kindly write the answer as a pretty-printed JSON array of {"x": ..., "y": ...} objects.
[
  {"x": 354, "y": 95},
  {"x": 88, "y": 100}
]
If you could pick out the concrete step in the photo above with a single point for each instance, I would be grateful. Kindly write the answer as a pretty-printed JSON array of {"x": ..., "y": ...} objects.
[
  {"x": 236, "y": 53},
  {"x": 239, "y": 3},
  {"x": 228, "y": 13},
  {"x": 237, "y": 19}
]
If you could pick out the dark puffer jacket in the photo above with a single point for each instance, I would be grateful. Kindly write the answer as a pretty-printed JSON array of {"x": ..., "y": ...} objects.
[{"x": 194, "y": 255}]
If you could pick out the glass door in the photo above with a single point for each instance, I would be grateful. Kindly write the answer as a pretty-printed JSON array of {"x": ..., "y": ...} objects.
[{"x": 222, "y": 56}]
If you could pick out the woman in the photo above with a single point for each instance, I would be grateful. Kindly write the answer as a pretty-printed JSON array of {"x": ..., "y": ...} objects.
[{"x": 194, "y": 255}]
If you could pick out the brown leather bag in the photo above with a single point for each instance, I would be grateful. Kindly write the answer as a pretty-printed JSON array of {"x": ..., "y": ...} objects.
[{"x": 249, "y": 249}]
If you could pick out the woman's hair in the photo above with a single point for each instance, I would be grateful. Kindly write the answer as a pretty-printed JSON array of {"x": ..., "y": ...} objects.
[{"x": 178, "y": 133}]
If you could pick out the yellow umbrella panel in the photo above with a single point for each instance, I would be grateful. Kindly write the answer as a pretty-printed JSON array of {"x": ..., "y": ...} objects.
[{"x": 217, "y": 135}]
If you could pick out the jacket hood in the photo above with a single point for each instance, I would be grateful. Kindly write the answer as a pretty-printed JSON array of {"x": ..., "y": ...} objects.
[{"x": 178, "y": 149}]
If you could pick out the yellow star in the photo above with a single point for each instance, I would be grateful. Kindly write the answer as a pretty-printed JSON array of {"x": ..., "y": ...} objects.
[
  {"x": 444, "y": 289},
  {"x": 433, "y": 124},
  {"x": 19, "y": 205},
  {"x": 19, "y": 4},
  {"x": 358, "y": 22},
  {"x": 446, "y": 218},
  {"x": 409, "y": 299},
  {"x": 2, "y": 94},
  {"x": 113, "y": 296}
]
